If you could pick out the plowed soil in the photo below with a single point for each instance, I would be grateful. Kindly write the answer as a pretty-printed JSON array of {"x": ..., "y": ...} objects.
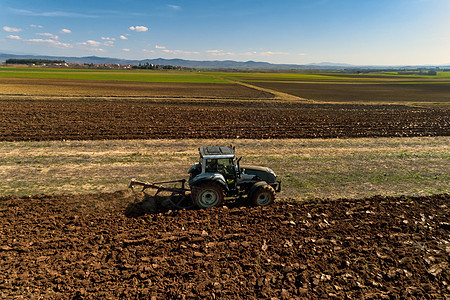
[
  {"x": 364, "y": 92},
  {"x": 99, "y": 88},
  {"x": 104, "y": 246},
  {"x": 144, "y": 119}
]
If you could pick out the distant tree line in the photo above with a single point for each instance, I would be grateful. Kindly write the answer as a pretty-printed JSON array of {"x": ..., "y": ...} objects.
[{"x": 27, "y": 61}]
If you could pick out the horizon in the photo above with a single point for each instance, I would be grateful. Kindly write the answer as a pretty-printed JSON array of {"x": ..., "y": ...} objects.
[
  {"x": 353, "y": 32},
  {"x": 325, "y": 64}
]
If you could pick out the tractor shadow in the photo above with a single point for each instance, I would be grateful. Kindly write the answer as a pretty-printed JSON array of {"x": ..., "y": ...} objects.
[{"x": 145, "y": 204}]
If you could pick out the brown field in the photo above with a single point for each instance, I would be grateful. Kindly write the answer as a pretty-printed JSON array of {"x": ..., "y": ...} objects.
[
  {"x": 363, "y": 92},
  {"x": 102, "y": 246},
  {"x": 122, "y": 245},
  {"x": 39, "y": 87},
  {"x": 144, "y": 119}
]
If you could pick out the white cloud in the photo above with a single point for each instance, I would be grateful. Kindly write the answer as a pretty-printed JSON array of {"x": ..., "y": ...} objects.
[
  {"x": 91, "y": 43},
  {"x": 219, "y": 53},
  {"x": 14, "y": 37},
  {"x": 268, "y": 53},
  {"x": 213, "y": 51},
  {"x": 50, "y": 42},
  {"x": 108, "y": 38},
  {"x": 11, "y": 29},
  {"x": 138, "y": 28},
  {"x": 264, "y": 53},
  {"x": 122, "y": 37},
  {"x": 109, "y": 43},
  {"x": 66, "y": 30},
  {"x": 49, "y": 35},
  {"x": 174, "y": 7},
  {"x": 159, "y": 47},
  {"x": 180, "y": 52},
  {"x": 302, "y": 54},
  {"x": 47, "y": 42},
  {"x": 148, "y": 51},
  {"x": 36, "y": 26},
  {"x": 126, "y": 50}
]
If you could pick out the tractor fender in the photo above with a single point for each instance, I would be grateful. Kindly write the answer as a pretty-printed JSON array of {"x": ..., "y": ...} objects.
[
  {"x": 209, "y": 177},
  {"x": 255, "y": 187}
]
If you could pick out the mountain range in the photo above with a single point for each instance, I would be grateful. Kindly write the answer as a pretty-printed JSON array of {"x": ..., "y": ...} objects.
[{"x": 215, "y": 64}]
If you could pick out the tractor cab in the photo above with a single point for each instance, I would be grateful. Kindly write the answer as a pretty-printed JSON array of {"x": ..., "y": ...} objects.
[{"x": 216, "y": 160}]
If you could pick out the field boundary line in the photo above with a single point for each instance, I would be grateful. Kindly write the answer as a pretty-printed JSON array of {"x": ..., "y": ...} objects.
[
  {"x": 278, "y": 95},
  {"x": 156, "y": 99}
]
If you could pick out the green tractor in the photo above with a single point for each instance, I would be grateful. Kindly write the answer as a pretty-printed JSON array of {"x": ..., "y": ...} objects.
[{"x": 217, "y": 176}]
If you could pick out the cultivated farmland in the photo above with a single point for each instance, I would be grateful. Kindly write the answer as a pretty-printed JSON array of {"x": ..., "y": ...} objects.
[
  {"x": 362, "y": 215},
  {"x": 143, "y": 119},
  {"x": 100, "y": 246},
  {"x": 351, "y": 88},
  {"x": 366, "y": 92},
  {"x": 56, "y": 88}
]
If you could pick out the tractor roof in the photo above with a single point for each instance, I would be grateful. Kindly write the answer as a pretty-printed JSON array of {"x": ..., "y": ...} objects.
[{"x": 209, "y": 152}]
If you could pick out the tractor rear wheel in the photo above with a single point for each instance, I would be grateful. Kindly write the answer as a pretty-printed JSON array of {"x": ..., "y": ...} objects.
[
  {"x": 263, "y": 196},
  {"x": 208, "y": 195}
]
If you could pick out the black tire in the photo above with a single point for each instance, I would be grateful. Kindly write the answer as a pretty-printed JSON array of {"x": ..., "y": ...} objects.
[
  {"x": 208, "y": 195},
  {"x": 263, "y": 196}
]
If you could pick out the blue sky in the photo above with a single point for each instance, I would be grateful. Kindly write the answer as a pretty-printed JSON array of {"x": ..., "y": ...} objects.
[{"x": 364, "y": 32}]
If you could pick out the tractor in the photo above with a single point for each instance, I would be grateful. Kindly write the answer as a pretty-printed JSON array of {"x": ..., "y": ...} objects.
[{"x": 218, "y": 176}]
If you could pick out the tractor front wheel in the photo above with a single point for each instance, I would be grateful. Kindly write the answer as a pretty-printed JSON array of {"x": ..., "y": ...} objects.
[
  {"x": 208, "y": 195},
  {"x": 263, "y": 196}
]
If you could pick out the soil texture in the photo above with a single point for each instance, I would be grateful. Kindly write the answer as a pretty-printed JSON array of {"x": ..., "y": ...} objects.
[
  {"x": 103, "y": 246},
  {"x": 145, "y": 119}
]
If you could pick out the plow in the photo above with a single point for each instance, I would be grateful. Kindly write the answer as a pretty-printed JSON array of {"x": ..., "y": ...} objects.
[
  {"x": 217, "y": 177},
  {"x": 178, "y": 198}
]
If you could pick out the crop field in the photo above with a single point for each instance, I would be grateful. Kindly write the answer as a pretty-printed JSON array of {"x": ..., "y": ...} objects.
[
  {"x": 110, "y": 75},
  {"x": 38, "y": 88},
  {"x": 327, "y": 87},
  {"x": 363, "y": 158},
  {"x": 369, "y": 93},
  {"x": 39, "y": 83},
  {"x": 334, "y": 77},
  {"x": 44, "y": 109},
  {"x": 379, "y": 88}
]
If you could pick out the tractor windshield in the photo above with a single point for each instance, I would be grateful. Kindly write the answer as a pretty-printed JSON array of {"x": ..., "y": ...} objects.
[{"x": 221, "y": 165}]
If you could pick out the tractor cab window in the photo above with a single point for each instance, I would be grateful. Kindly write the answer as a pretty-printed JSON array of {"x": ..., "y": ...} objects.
[
  {"x": 221, "y": 165},
  {"x": 211, "y": 165}
]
